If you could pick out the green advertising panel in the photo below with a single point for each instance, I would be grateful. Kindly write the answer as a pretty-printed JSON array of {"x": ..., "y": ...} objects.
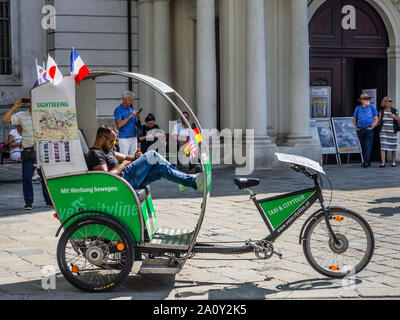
[
  {"x": 149, "y": 216},
  {"x": 277, "y": 210},
  {"x": 207, "y": 167},
  {"x": 95, "y": 192}
]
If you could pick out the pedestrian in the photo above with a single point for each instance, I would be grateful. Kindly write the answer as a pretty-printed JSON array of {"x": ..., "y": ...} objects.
[
  {"x": 150, "y": 133},
  {"x": 365, "y": 119},
  {"x": 180, "y": 135},
  {"x": 139, "y": 170},
  {"x": 15, "y": 143},
  {"x": 389, "y": 120},
  {"x": 127, "y": 119},
  {"x": 28, "y": 153}
]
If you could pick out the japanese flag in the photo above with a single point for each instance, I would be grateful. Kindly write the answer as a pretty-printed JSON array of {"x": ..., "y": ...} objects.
[{"x": 54, "y": 74}]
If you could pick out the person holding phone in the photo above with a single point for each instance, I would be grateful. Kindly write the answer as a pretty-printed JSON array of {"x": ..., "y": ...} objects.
[
  {"x": 127, "y": 121},
  {"x": 28, "y": 153}
]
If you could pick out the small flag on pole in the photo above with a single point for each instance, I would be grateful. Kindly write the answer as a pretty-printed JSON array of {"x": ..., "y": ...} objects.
[
  {"x": 193, "y": 149},
  {"x": 78, "y": 68},
  {"x": 53, "y": 72},
  {"x": 196, "y": 133},
  {"x": 41, "y": 74}
]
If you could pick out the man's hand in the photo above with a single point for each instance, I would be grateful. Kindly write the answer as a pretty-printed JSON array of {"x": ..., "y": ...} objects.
[
  {"x": 138, "y": 154},
  {"x": 8, "y": 114},
  {"x": 133, "y": 113},
  {"x": 17, "y": 104}
]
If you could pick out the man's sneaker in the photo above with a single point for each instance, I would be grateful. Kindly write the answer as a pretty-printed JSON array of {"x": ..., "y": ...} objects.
[
  {"x": 49, "y": 205},
  {"x": 36, "y": 179},
  {"x": 28, "y": 207},
  {"x": 199, "y": 179},
  {"x": 182, "y": 187}
]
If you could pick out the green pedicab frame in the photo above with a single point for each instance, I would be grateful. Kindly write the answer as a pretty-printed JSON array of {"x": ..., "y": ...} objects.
[{"x": 204, "y": 159}]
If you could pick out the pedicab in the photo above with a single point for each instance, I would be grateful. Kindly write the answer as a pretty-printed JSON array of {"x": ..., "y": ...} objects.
[{"x": 107, "y": 225}]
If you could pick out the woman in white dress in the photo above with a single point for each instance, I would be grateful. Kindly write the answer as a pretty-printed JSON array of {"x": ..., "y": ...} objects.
[
  {"x": 388, "y": 116},
  {"x": 14, "y": 142}
]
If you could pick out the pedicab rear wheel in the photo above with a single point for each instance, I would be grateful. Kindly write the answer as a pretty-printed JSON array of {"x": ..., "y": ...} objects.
[{"x": 95, "y": 254}]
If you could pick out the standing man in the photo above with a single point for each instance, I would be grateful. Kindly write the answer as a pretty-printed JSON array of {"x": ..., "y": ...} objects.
[
  {"x": 28, "y": 154},
  {"x": 127, "y": 120},
  {"x": 365, "y": 119}
]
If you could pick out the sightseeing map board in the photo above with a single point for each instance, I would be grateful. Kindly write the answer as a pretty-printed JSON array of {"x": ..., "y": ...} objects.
[
  {"x": 55, "y": 127},
  {"x": 346, "y": 135}
]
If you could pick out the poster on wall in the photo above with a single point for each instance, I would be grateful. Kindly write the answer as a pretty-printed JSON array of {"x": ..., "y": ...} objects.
[
  {"x": 346, "y": 135},
  {"x": 320, "y": 99}
]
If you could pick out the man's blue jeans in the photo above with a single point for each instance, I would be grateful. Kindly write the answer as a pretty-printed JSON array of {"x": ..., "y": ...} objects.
[
  {"x": 151, "y": 167},
  {"x": 366, "y": 138},
  {"x": 27, "y": 187}
]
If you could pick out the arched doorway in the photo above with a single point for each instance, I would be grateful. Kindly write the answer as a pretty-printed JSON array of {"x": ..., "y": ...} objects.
[{"x": 351, "y": 60}]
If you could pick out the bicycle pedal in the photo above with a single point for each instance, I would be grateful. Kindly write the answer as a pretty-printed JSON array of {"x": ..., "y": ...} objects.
[{"x": 278, "y": 254}]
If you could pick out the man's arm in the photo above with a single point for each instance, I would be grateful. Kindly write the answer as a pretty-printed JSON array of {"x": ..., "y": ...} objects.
[
  {"x": 7, "y": 116},
  {"x": 374, "y": 124},
  {"x": 118, "y": 170},
  {"x": 120, "y": 123},
  {"x": 128, "y": 157},
  {"x": 355, "y": 123}
]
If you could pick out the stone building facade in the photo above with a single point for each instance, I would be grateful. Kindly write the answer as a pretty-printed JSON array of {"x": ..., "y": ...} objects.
[{"x": 239, "y": 64}]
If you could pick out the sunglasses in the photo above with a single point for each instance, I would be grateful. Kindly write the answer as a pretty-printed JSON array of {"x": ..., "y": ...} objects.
[
  {"x": 390, "y": 100},
  {"x": 366, "y": 98},
  {"x": 112, "y": 141}
]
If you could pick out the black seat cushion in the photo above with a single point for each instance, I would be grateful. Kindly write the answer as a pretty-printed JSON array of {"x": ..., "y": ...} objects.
[
  {"x": 143, "y": 193},
  {"x": 243, "y": 183}
]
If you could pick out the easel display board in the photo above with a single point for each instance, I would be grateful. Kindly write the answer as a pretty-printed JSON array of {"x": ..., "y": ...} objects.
[
  {"x": 346, "y": 136},
  {"x": 322, "y": 129}
]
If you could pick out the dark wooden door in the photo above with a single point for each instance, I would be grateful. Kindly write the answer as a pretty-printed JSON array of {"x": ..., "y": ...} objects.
[
  {"x": 337, "y": 55},
  {"x": 371, "y": 74}
]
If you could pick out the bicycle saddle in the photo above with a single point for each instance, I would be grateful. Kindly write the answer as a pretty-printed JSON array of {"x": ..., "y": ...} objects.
[{"x": 243, "y": 183}]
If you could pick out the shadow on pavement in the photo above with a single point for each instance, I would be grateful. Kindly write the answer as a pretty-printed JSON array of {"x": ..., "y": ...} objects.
[
  {"x": 386, "y": 211},
  {"x": 159, "y": 287}
]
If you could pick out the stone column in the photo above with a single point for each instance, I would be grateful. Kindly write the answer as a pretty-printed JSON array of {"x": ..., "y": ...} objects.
[
  {"x": 256, "y": 79},
  {"x": 162, "y": 58},
  {"x": 299, "y": 141},
  {"x": 146, "y": 53},
  {"x": 206, "y": 73},
  {"x": 256, "y": 84},
  {"x": 393, "y": 83},
  {"x": 299, "y": 74}
]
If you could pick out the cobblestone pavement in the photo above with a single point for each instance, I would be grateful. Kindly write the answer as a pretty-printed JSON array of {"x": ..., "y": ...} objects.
[{"x": 28, "y": 243}]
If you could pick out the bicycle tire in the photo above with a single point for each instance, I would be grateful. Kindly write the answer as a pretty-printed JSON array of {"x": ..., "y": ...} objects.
[
  {"x": 95, "y": 247},
  {"x": 342, "y": 264}
]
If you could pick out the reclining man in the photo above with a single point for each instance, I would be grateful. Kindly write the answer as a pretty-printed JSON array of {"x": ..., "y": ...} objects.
[{"x": 140, "y": 169}]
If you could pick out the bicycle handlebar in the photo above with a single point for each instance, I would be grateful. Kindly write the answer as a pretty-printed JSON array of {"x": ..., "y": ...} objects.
[{"x": 302, "y": 169}]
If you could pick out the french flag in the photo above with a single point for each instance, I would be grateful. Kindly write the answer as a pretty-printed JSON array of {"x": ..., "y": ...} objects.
[{"x": 78, "y": 68}]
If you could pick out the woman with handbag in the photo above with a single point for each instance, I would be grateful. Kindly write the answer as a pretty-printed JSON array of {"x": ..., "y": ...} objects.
[{"x": 389, "y": 124}]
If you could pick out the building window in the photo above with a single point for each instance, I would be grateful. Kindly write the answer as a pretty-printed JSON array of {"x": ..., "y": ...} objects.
[{"x": 5, "y": 41}]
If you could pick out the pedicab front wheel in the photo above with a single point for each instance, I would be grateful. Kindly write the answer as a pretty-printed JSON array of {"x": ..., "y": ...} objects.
[
  {"x": 95, "y": 254},
  {"x": 352, "y": 251}
]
